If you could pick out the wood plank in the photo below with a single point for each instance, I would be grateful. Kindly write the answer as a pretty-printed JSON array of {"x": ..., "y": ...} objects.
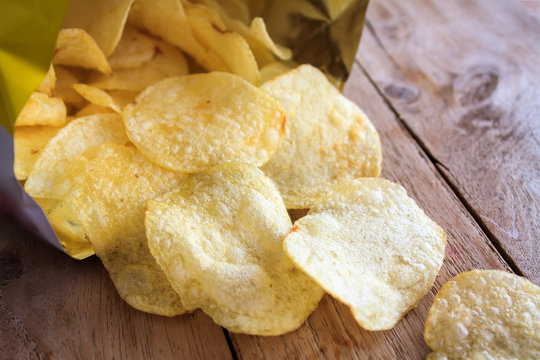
[
  {"x": 331, "y": 331},
  {"x": 463, "y": 76},
  {"x": 66, "y": 309}
]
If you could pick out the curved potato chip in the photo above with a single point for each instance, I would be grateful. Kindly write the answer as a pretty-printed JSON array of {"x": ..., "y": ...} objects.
[
  {"x": 273, "y": 70},
  {"x": 104, "y": 20},
  {"x": 219, "y": 240},
  {"x": 41, "y": 109},
  {"x": 28, "y": 142},
  {"x": 167, "y": 19},
  {"x": 115, "y": 101},
  {"x": 328, "y": 139},
  {"x": 80, "y": 134},
  {"x": 485, "y": 314},
  {"x": 92, "y": 109},
  {"x": 192, "y": 122},
  {"x": 229, "y": 46},
  {"x": 134, "y": 49},
  {"x": 74, "y": 47},
  {"x": 48, "y": 83},
  {"x": 167, "y": 62},
  {"x": 67, "y": 227},
  {"x": 110, "y": 187},
  {"x": 65, "y": 78},
  {"x": 369, "y": 245}
]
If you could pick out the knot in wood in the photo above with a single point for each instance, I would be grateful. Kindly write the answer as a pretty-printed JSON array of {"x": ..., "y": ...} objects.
[
  {"x": 402, "y": 92},
  {"x": 476, "y": 85}
]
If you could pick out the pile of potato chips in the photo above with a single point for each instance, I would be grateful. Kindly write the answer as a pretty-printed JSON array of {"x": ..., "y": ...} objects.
[{"x": 170, "y": 138}]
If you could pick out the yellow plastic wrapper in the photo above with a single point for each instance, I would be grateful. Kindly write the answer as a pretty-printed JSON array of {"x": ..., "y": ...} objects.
[{"x": 281, "y": 35}]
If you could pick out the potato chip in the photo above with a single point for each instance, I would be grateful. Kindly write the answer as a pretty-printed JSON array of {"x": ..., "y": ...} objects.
[
  {"x": 47, "y": 84},
  {"x": 110, "y": 187},
  {"x": 41, "y": 109},
  {"x": 77, "y": 136},
  {"x": 273, "y": 70},
  {"x": 168, "y": 61},
  {"x": 328, "y": 138},
  {"x": 192, "y": 122},
  {"x": 369, "y": 245},
  {"x": 28, "y": 142},
  {"x": 167, "y": 19},
  {"x": 219, "y": 240},
  {"x": 67, "y": 227},
  {"x": 92, "y": 109},
  {"x": 104, "y": 20},
  {"x": 134, "y": 49},
  {"x": 74, "y": 47},
  {"x": 229, "y": 46},
  {"x": 115, "y": 101},
  {"x": 65, "y": 78},
  {"x": 485, "y": 314}
]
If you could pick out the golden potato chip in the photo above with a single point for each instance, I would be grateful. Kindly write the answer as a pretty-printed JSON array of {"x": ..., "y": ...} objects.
[
  {"x": 74, "y": 47},
  {"x": 167, "y": 19},
  {"x": 67, "y": 227},
  {"x": 65, "y": 78},
  {"x": 219, "y": 240},
  {"x": 272, "y": 70},
  {"x": 28, "y": 142},
  {"x": 47, "y": 85},
  {"x": 104, "y": 20},
  {"x": 110, "y": 185},
  {"x": 369, "y": 245},
  {"x": 41, "y": 109},
  {"x": 191, "y": 122},
  {"x": 92, "y": 109},
  {"x": 80, "y": 134},
  {"x": 328, "y": 138},
  {"x": 167, "y": 62},
  {"x": 134, "y": 49},
  {"x": 485, "y": 314},
  {"x": 229, "y": 46},
  {"x": 115, "y": 101}
]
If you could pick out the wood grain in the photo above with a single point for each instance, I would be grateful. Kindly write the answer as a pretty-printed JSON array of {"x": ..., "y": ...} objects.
[
  {"x": 60, "y": 308},
  {"x": 331, "y": 332},
  {"x": 463, "y": 76}
]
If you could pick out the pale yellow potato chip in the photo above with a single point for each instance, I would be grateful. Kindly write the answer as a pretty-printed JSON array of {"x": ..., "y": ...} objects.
[
  {"x": 115, "y": 101},
  {"x": 273, "y": 70},
  {"x": 328, "y": 138},
  {"x": 369, "y": 245},
  {"x": 80, "y": 134},
  {"x": 67, "y": 227},
  {"x": 28, "y": 142},
  {"x": 191, "y": 122},
  {"x": 74, "y": 47},
  {"x": 104, "y": 20},
  {"x": 40, "y": 109},
  {"x": 167, "y": 62},
  {"x": 219, "y": 238},
  {"x": 110, "y": 187},
  {"x": 65, "y": 78},
  {"x": 134, "y": 49},
  {"x": 167, "y": 19},
  {"x": 485, "y": 314},
  {"x": 48, "y": 83},
  {"x": 92, "y": 109},
  {"x": 229, "y": 46}
]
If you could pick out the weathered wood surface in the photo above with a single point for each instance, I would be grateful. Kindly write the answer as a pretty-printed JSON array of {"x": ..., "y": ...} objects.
[
  {"x": 464, "y": 77},
  {"x": 55, "y": 307}
]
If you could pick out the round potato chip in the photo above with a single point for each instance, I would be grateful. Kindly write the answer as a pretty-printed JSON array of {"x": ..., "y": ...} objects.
[
  {"x": 328, "y": 138},
  {"x": 485, "y": 314},
  {"x": 369, "y": 245},
  {"x": 192, "y": 122},
  {"x": 79, "y": 135},
  {"x": 28, "y": 142},
  {"x": 41, "y": 109},
  {"x": 74, "y": 47},
  {"x": 219, "y": 240},
  {"x": 134, "y": 49},
  {"x": 110, "y": 185}
]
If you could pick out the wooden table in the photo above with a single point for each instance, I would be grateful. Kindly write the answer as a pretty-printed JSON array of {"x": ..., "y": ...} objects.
[{"x": 453, "y": 88}]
